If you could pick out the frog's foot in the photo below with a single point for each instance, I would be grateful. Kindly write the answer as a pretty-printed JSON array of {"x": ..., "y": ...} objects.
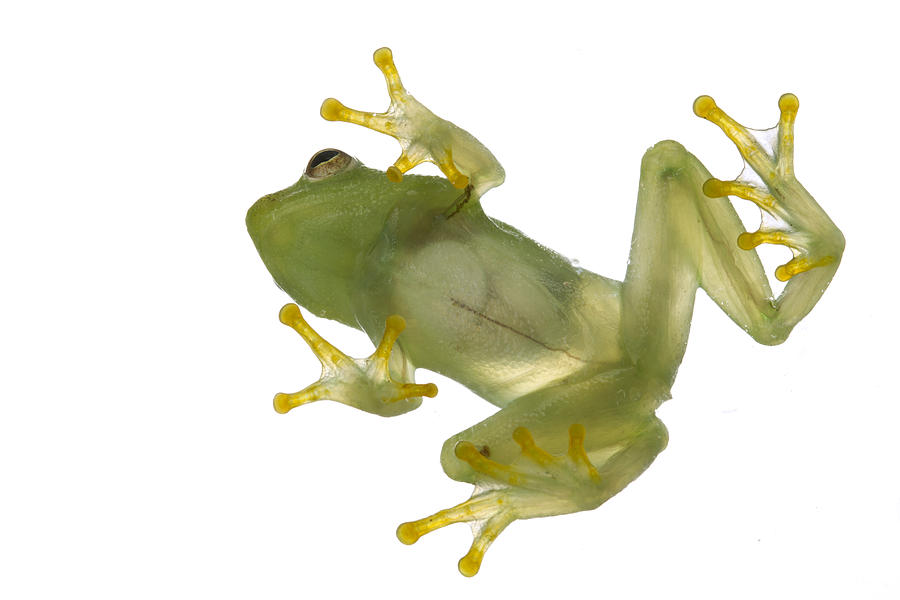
[
  {"x": 790, "y": 216},
  {"x": 423, "y": 136},
  {"x": 364, "y": 383},
  {"x": 535, "y": 484}
]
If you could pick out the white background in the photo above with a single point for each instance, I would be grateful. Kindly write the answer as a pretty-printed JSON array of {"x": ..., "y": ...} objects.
[{"x": 139, "y": 453}]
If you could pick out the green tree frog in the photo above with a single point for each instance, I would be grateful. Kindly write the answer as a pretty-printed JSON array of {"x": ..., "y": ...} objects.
[{"x": 576, "y": 362}]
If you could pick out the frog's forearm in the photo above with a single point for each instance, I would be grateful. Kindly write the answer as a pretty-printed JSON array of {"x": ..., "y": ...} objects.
[{"x": 362, "y": 383}]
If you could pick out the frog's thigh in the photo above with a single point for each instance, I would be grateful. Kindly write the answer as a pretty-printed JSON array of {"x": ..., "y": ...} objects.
[{"x": 682, "y": 240}]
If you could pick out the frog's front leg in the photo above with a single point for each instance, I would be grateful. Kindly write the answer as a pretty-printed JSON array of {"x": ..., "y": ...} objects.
[
  {"x": 364, "y": 383},
  {"x": 423, "y": 135},
  {"x": 565, "y": 449}
]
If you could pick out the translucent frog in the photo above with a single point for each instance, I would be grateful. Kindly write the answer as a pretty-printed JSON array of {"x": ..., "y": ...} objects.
[{"x": 576, "y": 362}]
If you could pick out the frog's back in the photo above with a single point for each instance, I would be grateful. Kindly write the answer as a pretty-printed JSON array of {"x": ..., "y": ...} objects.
[{"x": 489, "y": 307}]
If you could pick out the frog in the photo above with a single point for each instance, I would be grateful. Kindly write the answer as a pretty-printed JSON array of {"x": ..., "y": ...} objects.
[{"x": 576, "y": 363}]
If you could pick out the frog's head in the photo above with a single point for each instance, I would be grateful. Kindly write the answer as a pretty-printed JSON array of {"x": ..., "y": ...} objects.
[{"x": 312, "y": 235}]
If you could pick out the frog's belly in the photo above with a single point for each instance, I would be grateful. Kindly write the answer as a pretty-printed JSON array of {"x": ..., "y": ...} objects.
[{"x": 503, "y": 327}]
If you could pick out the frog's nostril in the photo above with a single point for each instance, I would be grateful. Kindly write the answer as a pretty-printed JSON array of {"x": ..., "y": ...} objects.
[{"x": 325, "y": 163}]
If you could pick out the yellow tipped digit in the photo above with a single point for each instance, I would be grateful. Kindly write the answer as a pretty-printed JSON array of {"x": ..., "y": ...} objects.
[
  {"x": 408, "y": 534},
  {"x": 327, "y": 354},
  {"x": 577, "y": 453},
  {"x": 750, "y": 149},
  {"x": 283, "y": 403},
  {"x": 788, "y": 105},
  {"x": 749, "y": 241},
  {"x": 470, "y": 564},
  {"x": 384, "y": 60},
  {"x": 520, "y": 484},
  {"x": 714, "y": 188},
  {"x": 393, "y": 327},
  {"x": 401, "y": 165},
  {"x": 332, "y": 110},
  {"x": 704, "y": 106},
  {"x": 467, "y": 452},
  {"x": 777, "y": 174},
  {"x": 449, "y": 169},
  {"x": 474, "y": 509},
  {"x": 487, "y": 507},
  {"x": 422, "y": 135},
  {"x": 363, "y": 383},
  {"x": 523, "y": 438},
  {"x": 800, "y": 265},
  {"x": 394, "y": 174}
]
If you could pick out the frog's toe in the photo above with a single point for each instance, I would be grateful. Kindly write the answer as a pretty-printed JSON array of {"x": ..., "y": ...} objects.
[
  {"x": 536, "y": 484},
  {"x": 363, "y": 383},
  {"x": 488, "y": 511},
  {"x": 772, "y": 162},
  {"x": 423, "y": 136},
  {"x": 774, "y": 230},
  {"x": 535, "y": 468},
  {"x": 333, "y": 110},
  {"x": 783, "y": 223},
  {"x": 750, "y": 147}
]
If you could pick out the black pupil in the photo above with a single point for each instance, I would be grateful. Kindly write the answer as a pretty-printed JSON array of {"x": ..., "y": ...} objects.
[{"x": 324, "y": 155}]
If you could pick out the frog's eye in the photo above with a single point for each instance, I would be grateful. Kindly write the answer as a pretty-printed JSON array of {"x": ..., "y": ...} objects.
[{"x": 326, "y": 163}]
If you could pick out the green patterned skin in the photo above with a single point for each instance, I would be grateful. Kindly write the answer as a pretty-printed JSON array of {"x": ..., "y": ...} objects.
[{"x": 576, "y": 362}]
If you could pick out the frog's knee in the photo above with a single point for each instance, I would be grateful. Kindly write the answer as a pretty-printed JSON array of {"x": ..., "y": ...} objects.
[
  {"x": 667, "y": 160},
  {"x": 666, "y": 152},
  {"x": 660, "y": 435},
  {"x": 452, "y": 465},
  {"x": 495, "y": 445}
]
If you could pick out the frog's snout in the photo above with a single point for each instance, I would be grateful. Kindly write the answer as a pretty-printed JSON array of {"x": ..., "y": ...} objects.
[{"x": 326, "y": 163}]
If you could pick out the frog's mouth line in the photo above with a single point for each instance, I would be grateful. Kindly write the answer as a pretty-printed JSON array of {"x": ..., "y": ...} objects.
[{"x": 477, "y": 313}]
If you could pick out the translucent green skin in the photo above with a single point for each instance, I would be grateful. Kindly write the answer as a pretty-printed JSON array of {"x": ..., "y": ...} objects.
[
  {"x": 484, "y": 304},
  {"x": 551, "y": 344}
]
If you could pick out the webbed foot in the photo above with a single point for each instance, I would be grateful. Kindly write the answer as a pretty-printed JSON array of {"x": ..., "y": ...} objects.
[
  {"x": 535, "y": 484},
  {"x": 795, "y": 220},
  {"x": 364, "y": 383},
  {"x": 423, "y": 136}
]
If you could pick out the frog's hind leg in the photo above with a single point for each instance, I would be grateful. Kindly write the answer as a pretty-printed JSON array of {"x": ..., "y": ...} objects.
[
  {"x": 673, "y": 226},
  {"x": 688, "y": 235},
  {"x": 565, "y": 449}
]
